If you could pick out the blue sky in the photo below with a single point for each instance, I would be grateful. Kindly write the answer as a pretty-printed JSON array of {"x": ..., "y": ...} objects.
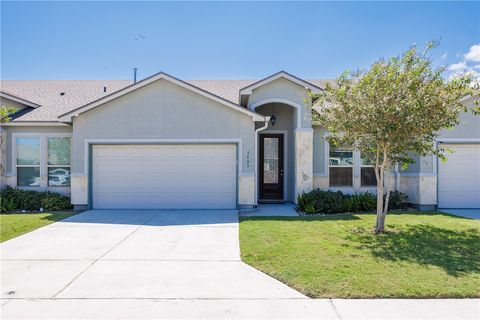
[{"x": 229, "y": 40}]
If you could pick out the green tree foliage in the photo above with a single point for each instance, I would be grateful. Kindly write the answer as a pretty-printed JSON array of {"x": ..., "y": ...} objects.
[
  {"x": 5, "y": 112},
  {"x": 390, "y": 111}
]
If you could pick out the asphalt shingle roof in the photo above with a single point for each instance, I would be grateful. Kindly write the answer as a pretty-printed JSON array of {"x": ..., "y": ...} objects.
[{"x": 47, "y": 93}]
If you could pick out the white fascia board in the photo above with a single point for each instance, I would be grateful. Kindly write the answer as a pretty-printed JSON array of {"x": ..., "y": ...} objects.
[
  {"x": 474, "y": 94},
  {"x": 35, "y": 124},
  {"x": 67, "y": 117},
  {"x": 457, "y": 140},
  {"x": 248, "y": 90},
  {"x": 18, "y": 100}
]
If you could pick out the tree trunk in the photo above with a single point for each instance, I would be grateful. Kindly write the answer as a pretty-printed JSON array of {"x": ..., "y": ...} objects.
[
  {"x": 381, "y": 209},
  {"x": 380, "y": 224}
]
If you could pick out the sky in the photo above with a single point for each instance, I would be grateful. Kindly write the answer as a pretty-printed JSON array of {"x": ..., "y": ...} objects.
[{"x": 227, "y": 40}]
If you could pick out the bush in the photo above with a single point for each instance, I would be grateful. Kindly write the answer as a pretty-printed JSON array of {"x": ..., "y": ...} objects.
[
  {"x": 12, "y": 199},
  {"x": 361, "y": 202},
  {"x": 54, "y": 202},
  {"x": 398, "y": 201},
  {"x": 329, "y": 202},
  {"x": 321, "y": 201}
]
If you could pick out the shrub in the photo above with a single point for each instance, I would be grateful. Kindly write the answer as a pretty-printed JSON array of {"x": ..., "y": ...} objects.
[
  {"x": 7, "y": 204},
  {"x": 361, "y": 202},
  {"x": 17, "y": 199},
  {"x": 317, "y": 201},
  {"x": 398, "y": 200},
  {"x": 54, "y": 201},
  {"x": 329, "y": 202}
]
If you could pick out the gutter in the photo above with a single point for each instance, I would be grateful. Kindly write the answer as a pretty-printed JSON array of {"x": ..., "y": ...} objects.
[
  {"x": 267, "y": 119},
  {"x": 35, "y": 124}
]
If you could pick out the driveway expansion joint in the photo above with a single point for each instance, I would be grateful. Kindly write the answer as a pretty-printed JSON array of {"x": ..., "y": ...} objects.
[
  {"x": 335, "y": 310},
  {"x": 5, "y": 302},
  {"x": 96, "y": 260}
]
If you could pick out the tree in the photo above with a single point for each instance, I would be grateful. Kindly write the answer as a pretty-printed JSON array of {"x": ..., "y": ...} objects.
[
  {"x": 5, "y": 112},
  {"x": 390, "y": 111}
]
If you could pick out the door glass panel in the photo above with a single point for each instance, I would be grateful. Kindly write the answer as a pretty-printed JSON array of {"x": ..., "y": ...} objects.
[{"x": 270, "y": 160}]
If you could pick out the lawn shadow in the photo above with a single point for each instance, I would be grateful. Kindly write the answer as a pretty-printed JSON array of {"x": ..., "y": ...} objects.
[
  {"x": 47, "y": 215},
  {"x": 456, "y": 252}
]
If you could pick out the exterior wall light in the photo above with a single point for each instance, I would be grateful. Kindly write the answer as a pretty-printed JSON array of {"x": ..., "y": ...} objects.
[{"x": 273, "y": 119}]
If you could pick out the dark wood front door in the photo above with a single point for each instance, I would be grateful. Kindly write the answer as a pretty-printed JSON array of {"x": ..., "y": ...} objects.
[{"x": 271, "y": 167}]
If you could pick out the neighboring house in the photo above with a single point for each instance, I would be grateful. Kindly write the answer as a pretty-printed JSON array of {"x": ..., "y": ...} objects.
[{"x": 167, "y": 143}]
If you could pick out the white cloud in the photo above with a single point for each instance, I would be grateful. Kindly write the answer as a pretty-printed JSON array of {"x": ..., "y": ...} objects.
[
  {"x": 458, "y": 67},
  {"x": 470, "y": 64},
  {"x": 473, "y": 54},
  {"x": 444, "y": 56}
]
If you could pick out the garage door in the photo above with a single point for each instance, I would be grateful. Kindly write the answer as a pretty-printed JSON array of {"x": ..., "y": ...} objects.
[
  {"x": 459, "y": 177},
  {"x": 164, "y": 177}
]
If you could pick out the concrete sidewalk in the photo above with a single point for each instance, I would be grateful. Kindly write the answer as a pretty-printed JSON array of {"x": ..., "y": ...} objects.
[
  {"x": 135, "y": 264},
  {"x": 270, "y": 210},
  {"x": 241, "y": 309}
]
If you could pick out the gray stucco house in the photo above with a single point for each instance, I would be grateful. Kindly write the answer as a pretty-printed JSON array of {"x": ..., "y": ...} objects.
[{"x": 167, "y": 143}]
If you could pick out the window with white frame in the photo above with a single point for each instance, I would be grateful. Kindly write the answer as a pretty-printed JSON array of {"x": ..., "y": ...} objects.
[
  {"x": 43, "y": 155},
  {"x": 341, "y": 168},
  {"x": 367, "y": 172},
  {"x": 58, "y": 161},
  {"x": 28, "y": 161}
]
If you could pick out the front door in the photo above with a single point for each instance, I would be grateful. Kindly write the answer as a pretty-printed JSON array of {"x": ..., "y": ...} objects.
[{"x": 271, "y": 167}]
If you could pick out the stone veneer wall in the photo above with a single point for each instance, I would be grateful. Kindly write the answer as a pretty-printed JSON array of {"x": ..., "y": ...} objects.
[{"x": 303, "y": 160}]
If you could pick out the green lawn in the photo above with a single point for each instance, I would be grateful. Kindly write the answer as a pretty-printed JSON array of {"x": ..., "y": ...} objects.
[
  {"x": 14, "y": 224},
  {"x": 421, "y": 254}
]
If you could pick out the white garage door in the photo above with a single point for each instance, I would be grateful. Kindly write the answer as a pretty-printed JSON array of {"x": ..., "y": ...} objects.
[
  {"x": 164, "y": 177},
  {"x": 459, "y": 177}
]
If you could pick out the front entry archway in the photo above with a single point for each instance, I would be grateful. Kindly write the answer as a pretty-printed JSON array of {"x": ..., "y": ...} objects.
[{"x": 285, "y": 127}]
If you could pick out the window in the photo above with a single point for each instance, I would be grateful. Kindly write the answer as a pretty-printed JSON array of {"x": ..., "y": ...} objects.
[
  {"x": 28, "y": 161},
  {"x": 58, "y": 164},
  {"x": 367, "y": 172},
  {"x": 341, "y": 168}
]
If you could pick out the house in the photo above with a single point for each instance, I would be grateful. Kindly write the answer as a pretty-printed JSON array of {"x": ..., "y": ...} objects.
[{"x": 167, "y": 143}]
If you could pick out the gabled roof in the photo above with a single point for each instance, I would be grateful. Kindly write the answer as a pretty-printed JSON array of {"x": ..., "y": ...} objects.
[
  {"x": 47, "y": 94},
  {"x": 18, "y": 99},
  {"x": 282, "y": 74},
  {"x": 67, "y": 117}
]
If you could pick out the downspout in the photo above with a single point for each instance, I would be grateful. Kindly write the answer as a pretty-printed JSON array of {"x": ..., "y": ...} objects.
[
  {"x": 397, "y": 178},
  {"x": 267, "y": 119}
]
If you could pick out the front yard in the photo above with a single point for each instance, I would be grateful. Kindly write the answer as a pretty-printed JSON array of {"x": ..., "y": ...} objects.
[
  {"x": 422, "y": 255},
  {"x": 14, "y": 224}
]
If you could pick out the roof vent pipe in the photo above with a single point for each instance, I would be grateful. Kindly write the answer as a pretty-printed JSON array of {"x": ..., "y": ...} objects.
[
  {"x": 104, "y": 89},
  {"x": 134, "y": 75}
]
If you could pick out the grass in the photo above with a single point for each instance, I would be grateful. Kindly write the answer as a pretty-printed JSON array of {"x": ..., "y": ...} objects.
[
  {"x": 421, "y": 255},
  {"x": 15, "y": 224}
]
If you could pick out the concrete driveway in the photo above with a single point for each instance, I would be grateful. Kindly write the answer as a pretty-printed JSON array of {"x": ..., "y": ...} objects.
[
  {"x": 115, "y": 264},
  {"x": 467, "y": 213},
  {"x": 128, "y": 255}
]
